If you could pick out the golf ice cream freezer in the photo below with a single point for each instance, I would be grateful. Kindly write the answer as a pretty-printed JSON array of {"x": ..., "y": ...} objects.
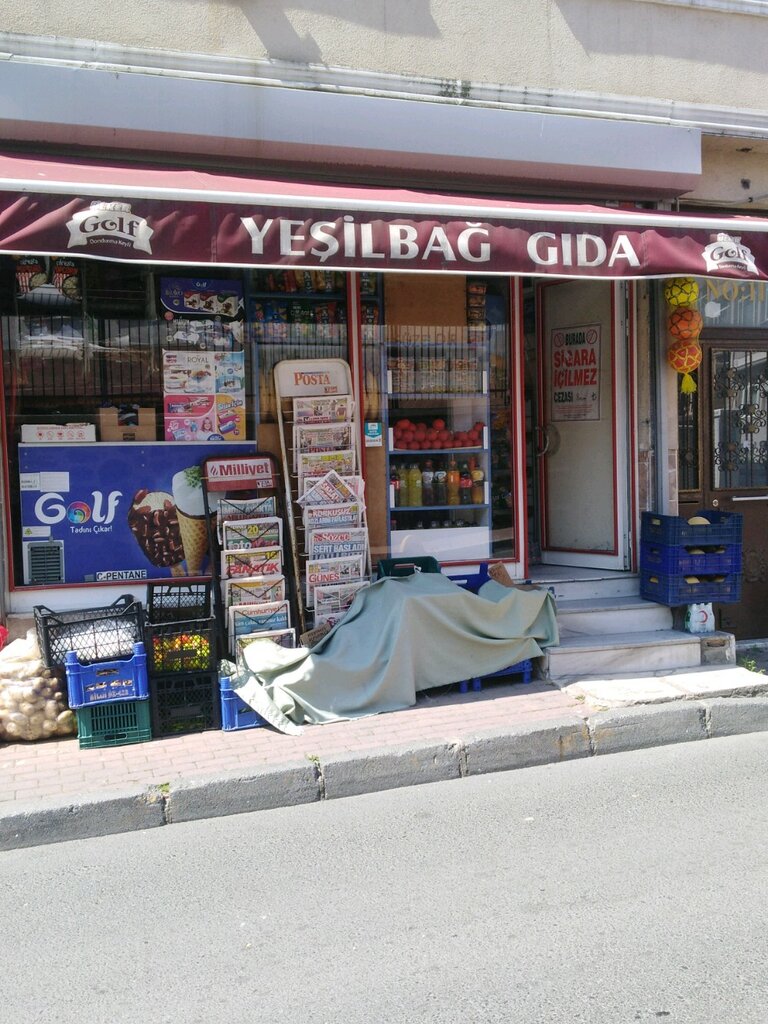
[{"x": 114, "y": 512}]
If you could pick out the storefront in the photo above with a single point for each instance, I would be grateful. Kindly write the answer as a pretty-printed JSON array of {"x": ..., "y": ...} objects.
[{"x": 144, "y": 310}]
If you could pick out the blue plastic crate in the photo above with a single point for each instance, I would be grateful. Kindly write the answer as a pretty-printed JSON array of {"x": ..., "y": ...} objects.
[
  {"x": 235, "y": 713},
  {"x": 676, "y": 590},
  {"x": 523, "y": 668},
  {"x": 107, "y": 682},
  {"x": 671, "y": 559},
  {"x": 724, "y": 528},
  {"x": 471, "y": 581}
]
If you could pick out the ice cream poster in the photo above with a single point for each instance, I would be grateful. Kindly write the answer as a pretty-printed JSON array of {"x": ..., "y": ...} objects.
[
  {"x": 118, "y": 513},
  {"x": 204, "y": 396}
]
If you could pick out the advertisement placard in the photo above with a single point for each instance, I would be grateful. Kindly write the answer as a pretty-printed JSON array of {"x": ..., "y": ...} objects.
[
  {"x": 118, "y": 512},
  {"x": 575, "y": 354}
]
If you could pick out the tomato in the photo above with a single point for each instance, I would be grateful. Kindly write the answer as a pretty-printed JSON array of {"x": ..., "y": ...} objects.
[
  {"x": 444, "y": 435},
  {"x": 403, "y": 424},
  {"x": 438, "y": 424}
]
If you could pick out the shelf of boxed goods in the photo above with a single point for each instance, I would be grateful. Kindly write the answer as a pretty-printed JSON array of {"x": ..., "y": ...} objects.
[{"x": 439, "y": 433}]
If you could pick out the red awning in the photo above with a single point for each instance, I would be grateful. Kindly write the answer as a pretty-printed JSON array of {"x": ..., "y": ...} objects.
[{"x": 191, "y": 217}]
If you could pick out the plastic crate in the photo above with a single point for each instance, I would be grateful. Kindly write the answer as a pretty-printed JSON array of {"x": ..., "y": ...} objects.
[
  {"x": 407, "y": 566},
  {"x": 94, "y": 634},
  {"x": 107, "y": 681},
  {"x": 174, "y": 647},
  {"x": 724, "y": 528},
  {"x": 178, "y": 602},
  {"x": 522, "y": 668},
  {"x": 471, "y": 581},
  {"x": 676, "y": 558},
  {"x": 676, "y": 590},
  {"x": 235, "y": 713},
  {"x": 186, "y": 703},
  {"x": 113, "y": 725}
]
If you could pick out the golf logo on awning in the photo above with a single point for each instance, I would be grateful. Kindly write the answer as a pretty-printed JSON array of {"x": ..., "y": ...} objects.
[
  {"x": 109, "y": 223},
  {"x": 725, "y": 252}
]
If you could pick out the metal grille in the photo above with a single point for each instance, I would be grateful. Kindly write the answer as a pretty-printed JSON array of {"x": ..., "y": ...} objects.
[{"x": 739, "y": 418}]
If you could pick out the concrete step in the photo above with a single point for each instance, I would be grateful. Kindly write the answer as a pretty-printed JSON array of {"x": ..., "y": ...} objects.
[
  {"x": 652, "y": 651},
  {"x": 592, "y": 588},
  {"x": 599, "y": 616}
]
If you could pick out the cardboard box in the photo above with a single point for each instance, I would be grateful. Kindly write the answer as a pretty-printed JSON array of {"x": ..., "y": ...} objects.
[
  {"x": 57, "y": 433},
  {"x": 111, "y": 429}
]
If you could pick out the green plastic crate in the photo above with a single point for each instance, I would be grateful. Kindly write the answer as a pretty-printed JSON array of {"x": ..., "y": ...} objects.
[{"x": 113, "y": 725}]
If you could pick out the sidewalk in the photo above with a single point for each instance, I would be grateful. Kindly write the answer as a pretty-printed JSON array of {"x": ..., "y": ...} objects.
[{"x": 53, "y": 791}]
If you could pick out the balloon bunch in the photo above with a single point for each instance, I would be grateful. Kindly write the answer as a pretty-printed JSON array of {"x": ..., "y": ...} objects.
[{"x": 684, "y": 325}]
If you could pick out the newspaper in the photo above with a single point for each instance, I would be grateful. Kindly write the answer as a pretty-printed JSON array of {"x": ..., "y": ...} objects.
[
  {"x": 253, "y": 618},
  {"x": 323, "y": 409},
  {"x": 232, "y": 509},
  {"x": 266, "y": 532},
  {"x": 320, "y": 463},
  {"x": 356, "y": 484},
  {"x": 315, "y": 437},
  {"x": 317, "y": 516},
  {"x": 336, "y": 597},
  {"x": 331, "y": 570},
  {"x": 282, "y": 637},
  {"x": 254, "y": 590},
  {"x": 252, "y": 562},
  {"x": 331, "y": 489},
  {"x": 337, "y": 543}
]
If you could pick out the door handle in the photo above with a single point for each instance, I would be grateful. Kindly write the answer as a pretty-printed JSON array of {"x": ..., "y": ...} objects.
[
  {"x": 749, "y": 497},
  {"x": 544, "y": 434}
]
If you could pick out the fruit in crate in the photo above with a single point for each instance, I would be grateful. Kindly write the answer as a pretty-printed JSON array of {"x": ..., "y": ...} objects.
[{"x": 185, "y": 651}]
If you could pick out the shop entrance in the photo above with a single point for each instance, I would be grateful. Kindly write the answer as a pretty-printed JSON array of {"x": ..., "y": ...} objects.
[
  {"x": 580, "y": 440},
  {"x": 733, "y": 418}
]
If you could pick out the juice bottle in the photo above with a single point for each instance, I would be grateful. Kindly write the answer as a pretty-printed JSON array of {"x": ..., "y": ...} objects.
[
  {"x": 465, "y": 485},
  {"x": 439, "y": 485},
  {"x": 427, "y": 483},
  {"x": 402, "y": 472},
  {"x": 394, "y": 480},
  {"x": 414, "y": 486},
  {"x": 478, "y": 487},
  {"x": 452, "y": 482}
]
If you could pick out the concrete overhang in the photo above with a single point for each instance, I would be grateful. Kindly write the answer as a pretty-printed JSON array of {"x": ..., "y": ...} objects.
[{"x": 361, "y": 136}]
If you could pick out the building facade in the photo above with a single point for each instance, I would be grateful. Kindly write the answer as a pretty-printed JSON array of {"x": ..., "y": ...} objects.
[{"x": 415, "y": 189}]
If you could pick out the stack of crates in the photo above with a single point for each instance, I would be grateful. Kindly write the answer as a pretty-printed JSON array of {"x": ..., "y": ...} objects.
[
  {"x": 102, "y": 653},
  {"x": 180, "y": 640},
  {"x": 684, "y": 562}
]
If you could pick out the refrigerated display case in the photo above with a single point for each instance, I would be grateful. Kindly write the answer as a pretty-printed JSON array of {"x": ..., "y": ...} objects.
[{"x": 437, "y": 427}]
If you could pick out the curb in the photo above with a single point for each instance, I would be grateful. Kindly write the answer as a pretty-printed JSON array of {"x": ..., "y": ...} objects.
[{"x": 315, "y": 780}]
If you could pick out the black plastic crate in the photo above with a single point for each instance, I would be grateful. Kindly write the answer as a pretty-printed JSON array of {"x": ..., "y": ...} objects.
[
  {"x": 178, "y": 602},
  {"x": 94, "y": 634},
  {"x": 174, "y": 647},
  {"x": 190, "y": 702}
]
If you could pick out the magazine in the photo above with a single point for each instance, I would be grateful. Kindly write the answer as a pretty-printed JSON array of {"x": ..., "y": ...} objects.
[{"x": 331, "y": 570}]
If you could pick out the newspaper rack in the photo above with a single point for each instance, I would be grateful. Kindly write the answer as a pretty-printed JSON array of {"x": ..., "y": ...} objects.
[
  {"x": 298, "y": 384},
  {"x": 237, "y": 487}
]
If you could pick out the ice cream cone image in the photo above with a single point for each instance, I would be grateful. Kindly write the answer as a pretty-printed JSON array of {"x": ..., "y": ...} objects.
[
  {"x": 187, "y": 490},
  {"x": 153, "y": 522}
]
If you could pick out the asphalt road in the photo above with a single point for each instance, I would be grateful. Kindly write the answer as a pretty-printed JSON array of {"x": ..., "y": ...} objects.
[{"x": 626, "y": 888}]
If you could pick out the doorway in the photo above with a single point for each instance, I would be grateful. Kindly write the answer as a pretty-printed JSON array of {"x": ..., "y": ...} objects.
[
  {"x": 724, "y": 443},
  {"x": 581, "y": 438}
]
